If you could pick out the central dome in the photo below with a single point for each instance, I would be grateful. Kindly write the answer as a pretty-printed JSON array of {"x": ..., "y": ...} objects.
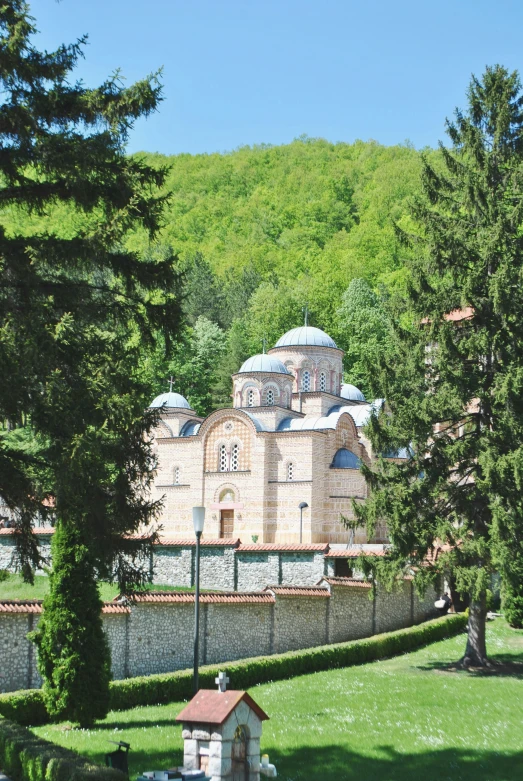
[
  {"x": 306, "y": 335},
  {"x": 263, "y": 363}
]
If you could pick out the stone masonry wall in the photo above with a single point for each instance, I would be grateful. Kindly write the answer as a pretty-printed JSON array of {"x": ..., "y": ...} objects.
[
  {"x": 300, "y": 623},
  {"x": 351, "y": 614},
  {"x": 158, "y": 637}
]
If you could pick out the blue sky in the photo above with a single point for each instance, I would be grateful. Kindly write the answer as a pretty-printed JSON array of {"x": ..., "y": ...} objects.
[{"x": 242, "y": 72}]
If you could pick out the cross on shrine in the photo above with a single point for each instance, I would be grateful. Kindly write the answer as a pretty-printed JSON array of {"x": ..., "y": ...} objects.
[
  {"x": 171, "y": 383},
  {"x": 222, "y": 680}
]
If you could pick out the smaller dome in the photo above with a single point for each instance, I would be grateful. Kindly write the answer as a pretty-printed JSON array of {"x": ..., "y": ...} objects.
[
  {"x": 345, "y": 459},
  {"x": 351, "y": 392},
  {"x": 263, "y": 363},
  {"x": 168, "y": 400},
  {"x": 305, "y": 335}
]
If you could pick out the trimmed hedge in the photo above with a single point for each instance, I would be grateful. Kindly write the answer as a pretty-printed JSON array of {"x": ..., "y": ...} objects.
[
  {"x": 25, "y": 757},
  {"x": 26, "y": 707}
]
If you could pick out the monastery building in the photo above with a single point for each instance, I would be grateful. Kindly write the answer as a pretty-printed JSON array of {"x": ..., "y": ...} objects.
[{"x": 294, "y": 435}]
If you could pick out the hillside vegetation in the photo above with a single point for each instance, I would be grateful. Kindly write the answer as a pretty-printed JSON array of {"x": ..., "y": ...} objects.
[{"x": 260, "y": 233}]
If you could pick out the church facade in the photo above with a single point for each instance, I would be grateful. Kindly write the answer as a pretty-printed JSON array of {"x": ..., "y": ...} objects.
[{"x": 293, "y": 436}]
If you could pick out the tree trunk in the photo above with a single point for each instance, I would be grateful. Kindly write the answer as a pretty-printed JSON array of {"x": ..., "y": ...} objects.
[{"x": 476, "y": 650}]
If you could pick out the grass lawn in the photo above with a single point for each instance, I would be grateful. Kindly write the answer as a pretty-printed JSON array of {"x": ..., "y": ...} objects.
[
  {"x": 411, "y": 718},
  {"x": 15, "y": 588}
]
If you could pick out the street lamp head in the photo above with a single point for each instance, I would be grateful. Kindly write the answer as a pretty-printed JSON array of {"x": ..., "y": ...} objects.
[
  {"x": 303, "y": 505},
  {"x": 198, "y": 519}
]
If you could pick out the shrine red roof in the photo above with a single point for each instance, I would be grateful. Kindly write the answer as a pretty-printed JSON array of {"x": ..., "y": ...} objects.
[{"x": 214, "y": 707}]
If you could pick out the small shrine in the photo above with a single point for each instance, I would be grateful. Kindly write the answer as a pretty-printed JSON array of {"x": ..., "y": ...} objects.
[{"x": 221, "y": 731}]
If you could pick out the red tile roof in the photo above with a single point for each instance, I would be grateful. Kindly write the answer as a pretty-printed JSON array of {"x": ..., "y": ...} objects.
[
  {"x": 36, "y": 606},
  {"x": 351, "y": 553},
  {"x": 37, "y": 530},
  {"x": 21, "y": 606},
  {"x": 298, "y": 591},
  {"x": 110, "y": 608},
  {"x": 217, "y": 543},
  {"x": 219, "y": 598},
  {"x": 283, "y": 546},
  {"x": 455, "y": 316},
  {"x": 214, "y": 707},
  {"x": 346, "y": 582}
]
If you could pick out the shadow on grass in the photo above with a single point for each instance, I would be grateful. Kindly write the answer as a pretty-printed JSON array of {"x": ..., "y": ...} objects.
[
  {"x": 504, "y": 665},
  {"x": 335, "y": 763}
]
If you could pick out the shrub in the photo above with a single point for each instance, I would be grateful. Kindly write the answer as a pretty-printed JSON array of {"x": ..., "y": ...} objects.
[
  {"x": 513, "y": 609},
  {"x": 176, "y": 686},
  {"x": 29, "y": 758},
  {"x": 73, "y": 654}
]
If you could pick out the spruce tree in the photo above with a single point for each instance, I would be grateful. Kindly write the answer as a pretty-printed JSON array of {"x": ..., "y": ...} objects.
[
  {"x": 73, "y": 654},
  {"x": 77, "y": 311},
  {"x": 455, "y": 383}
]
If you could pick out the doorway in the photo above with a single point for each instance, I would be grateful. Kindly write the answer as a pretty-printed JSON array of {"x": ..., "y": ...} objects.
[{"x": 226, "y": 523}]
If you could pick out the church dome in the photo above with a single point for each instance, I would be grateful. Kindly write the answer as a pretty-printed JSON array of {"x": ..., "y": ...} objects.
[
  {"x": 351, "y": 392},
  {"x": 168, "y": 400},
  {"x": 263, "y": 363},
  {"x": 305, "y": 335}
]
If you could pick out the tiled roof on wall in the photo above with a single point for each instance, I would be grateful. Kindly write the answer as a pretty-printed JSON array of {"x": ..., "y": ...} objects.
[
  {"x": 36, "y": 606},
  {"x": 219, "y": 598},
  {"x": 283, "y": 546},
  {"x": 347, "y": 582},
  {"x": 37, "y": 530},
  {"x": 298, "y": 591},
  {"x": 351, "y": 553},
  {"x": 216, "y": 543},
  {"x": 21, "y": 606}
]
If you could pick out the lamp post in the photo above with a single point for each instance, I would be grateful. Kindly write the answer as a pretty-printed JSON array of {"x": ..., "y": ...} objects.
[
  {"x": 198, "y": 519},
  {"x": 302, "y": 506}
]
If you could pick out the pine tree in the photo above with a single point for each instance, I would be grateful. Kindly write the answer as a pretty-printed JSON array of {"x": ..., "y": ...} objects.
[
  {"x": 73, "y": 653},
  {"x": 455, "y": 384}
]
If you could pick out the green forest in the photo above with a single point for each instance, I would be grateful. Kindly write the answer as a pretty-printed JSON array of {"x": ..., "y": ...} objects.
[{"x": 258, "y": 234}]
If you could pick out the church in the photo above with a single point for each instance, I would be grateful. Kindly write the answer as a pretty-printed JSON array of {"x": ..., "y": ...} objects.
[{"x": 293, "y": 437}]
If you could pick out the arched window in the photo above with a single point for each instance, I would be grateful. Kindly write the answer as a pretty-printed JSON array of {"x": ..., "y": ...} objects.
[
  {"x": 250, "y": 398},
  {"x": 306, "y": 381},
  {"x": 235, "y": 458},
  {"x": 323, "y": 381},
  {"x": 176, "y": 475},
  {"x": 222, "y": 466},
  {"x": 290, "y": 471},
  {"x": 270, "y": 397}
]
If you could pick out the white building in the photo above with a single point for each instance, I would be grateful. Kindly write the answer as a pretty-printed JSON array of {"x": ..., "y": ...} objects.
[{"x": 293, "y": 435}]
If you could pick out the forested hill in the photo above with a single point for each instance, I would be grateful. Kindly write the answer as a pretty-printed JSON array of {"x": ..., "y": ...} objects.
[
  {"x": 260, "y": 233},
  {"x": 301, "y": 219}
]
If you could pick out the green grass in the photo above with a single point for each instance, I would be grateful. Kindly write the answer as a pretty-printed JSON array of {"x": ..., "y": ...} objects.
[
  {"x": 14, "y": 588},
  {"x": 411, "y": 718}
]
